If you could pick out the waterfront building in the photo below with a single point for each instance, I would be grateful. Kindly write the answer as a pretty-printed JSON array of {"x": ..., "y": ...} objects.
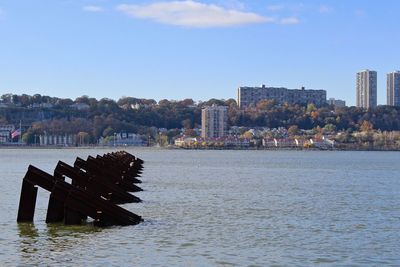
[
  {"x": 214, "y": 121},
  {"x": 186, "y": 141},
  {"x": 366, "y": 89},
  {"x": 122, "y": 139},
  {"x": 237, "y": 142},
  {"x": 393, "y": 88},
  {"x": 5, "y": 133},
  {"x": 56, "y": 140},
  {"x": 336, "y": 102},
  {"x": 128, "y": 139},
  {"x": 248, "y": 96},
  {"x": 225, "y": 142}
]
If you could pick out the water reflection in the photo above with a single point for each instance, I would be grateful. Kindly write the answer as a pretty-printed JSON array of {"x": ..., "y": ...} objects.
[
  {"x": 29, "y": 236},
  {"x": 57, "y": 230},
  {"x": 54, "y": 243},
  {"x": 27, "y": 230}
]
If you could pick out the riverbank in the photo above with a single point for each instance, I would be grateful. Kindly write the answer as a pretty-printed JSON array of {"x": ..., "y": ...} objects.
[{"x": 337, "y": 148}]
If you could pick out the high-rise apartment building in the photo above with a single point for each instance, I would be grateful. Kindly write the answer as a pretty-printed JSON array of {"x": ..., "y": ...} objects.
[
  {"x": 214, "y": 121},
  {"x": 248, "y": 96},
  {"x": 393, "y": 88},
  {"x": 366, "y": 89}
]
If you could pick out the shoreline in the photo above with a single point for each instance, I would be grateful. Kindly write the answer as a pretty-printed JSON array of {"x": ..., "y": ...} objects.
[{"x": 361, "y": 149}]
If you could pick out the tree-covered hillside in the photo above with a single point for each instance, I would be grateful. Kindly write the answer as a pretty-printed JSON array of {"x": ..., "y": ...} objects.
[{"x": 101, "y": 118}]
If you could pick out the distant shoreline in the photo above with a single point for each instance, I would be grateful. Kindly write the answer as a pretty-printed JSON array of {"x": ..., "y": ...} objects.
[{"x": 361, "y": 149}]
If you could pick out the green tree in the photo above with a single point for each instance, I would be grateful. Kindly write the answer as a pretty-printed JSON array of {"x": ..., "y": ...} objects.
[
  {"x": 329, "y": 128},
  {"x": 310, "y": 108}
]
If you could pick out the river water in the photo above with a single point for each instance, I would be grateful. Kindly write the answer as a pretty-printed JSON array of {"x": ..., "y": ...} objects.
[{"x": 221, "y": 208}]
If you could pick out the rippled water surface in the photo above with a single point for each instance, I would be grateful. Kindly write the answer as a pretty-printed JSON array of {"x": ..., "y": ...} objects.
[{"x": 221, "y": 208}]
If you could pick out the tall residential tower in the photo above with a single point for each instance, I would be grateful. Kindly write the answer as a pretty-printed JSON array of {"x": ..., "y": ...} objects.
[
  {"x": 393, "y": 88},
  {"x": 366, "y": 89},
  {"x": 214, "y": 121}
]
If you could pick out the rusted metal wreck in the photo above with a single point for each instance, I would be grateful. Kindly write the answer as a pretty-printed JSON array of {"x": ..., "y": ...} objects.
[{"x": 90, "y": 188}]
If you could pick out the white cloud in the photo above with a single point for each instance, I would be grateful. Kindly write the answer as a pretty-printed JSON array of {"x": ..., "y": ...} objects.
[
  {"x": 93, "y": 8},
  {"x": 190, "y": 13},
  {"x": 232, "y": 4},
  {"x": 289, "y": 20}
]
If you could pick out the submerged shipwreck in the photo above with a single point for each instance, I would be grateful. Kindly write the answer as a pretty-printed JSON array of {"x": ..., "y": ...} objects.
[{"x": 97, "y": 185}]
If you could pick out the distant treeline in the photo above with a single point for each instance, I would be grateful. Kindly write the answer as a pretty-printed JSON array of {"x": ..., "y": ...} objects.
[{"x": 101, "y": 118}]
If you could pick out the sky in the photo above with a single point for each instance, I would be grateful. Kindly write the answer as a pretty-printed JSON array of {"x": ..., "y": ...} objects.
[{"x": 199, "y": 49}]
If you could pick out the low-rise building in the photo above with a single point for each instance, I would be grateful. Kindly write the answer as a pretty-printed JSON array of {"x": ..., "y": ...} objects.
[
  {"x": 185, "y": 141},
  {"x": 122, "y": 139},
  {"x": 235, "y": 142},
  {"x": 5, "y": 133},
  {"x": 336, "y": 102},
  {"x": 57, "y": 140},
  {"x": 281, "y": 143}
]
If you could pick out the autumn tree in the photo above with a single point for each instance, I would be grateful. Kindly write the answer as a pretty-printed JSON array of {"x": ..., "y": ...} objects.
[{"x": 366, "y": 126}]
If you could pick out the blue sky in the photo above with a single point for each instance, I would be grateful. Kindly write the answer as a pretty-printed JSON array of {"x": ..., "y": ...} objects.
[{"x": 194, "y": 49}]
